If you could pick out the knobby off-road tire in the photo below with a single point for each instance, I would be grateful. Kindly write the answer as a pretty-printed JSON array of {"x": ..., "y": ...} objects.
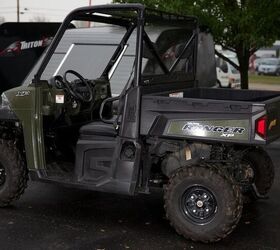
[
  {"x": 264, "y": 173},
  {"x": 184, "y": 203},
  {"x": 13, "y": 173}
]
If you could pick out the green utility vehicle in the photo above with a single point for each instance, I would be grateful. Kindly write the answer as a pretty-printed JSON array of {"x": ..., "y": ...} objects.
[{"x": 201, "y": 145}]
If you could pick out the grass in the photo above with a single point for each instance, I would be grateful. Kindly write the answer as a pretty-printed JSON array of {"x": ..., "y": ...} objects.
[{"x": 264, "y": 79}]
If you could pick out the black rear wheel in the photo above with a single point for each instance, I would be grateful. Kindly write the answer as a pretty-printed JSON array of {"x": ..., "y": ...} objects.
[
  {"x": 203, "y": 203},
  {"x": 199, "y": 204},
  {"x": 263, "y": 172}
]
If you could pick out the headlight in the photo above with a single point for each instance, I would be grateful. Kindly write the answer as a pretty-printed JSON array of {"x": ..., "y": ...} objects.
[{"x": 5, "y": 102}]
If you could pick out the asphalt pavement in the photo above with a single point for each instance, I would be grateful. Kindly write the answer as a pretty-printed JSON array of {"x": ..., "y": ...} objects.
[{"x": 53, "y": 217}]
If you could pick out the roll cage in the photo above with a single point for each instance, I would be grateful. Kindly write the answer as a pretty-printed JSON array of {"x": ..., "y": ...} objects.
[{"x": 132, "y": 16}]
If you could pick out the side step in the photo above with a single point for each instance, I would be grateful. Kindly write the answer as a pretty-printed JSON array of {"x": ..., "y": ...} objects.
[
  {"x": 103, "y": 163},
  {"x": 94, "y": 160}
]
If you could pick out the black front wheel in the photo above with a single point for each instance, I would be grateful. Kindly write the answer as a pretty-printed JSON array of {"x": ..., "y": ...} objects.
[
  {"x": 13, "y": 173},
  {"x": 203, "y": 203},
  {"x": 2, "y": 175}
]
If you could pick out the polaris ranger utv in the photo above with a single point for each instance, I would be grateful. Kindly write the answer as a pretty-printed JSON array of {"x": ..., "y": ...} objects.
[{"x": 202, "y": 146}]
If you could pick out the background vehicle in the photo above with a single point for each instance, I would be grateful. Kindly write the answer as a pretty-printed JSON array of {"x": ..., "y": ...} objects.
[
  {"x": 21, "y": 45},
  {"x": 201, "y": 147},
  {"x": 257, "y": 63},
  {"x": 269, "y": 66},
  {"x": 227, "y": 75}
]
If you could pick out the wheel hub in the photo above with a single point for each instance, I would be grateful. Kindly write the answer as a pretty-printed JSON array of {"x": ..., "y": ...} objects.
[{"x": 199, "y": 204}]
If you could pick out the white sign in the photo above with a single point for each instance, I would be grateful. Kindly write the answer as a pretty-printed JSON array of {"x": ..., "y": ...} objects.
[{"x": 59, "y": 99}]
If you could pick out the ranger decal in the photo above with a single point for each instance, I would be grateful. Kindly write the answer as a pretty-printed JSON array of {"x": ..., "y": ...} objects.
[{"x": 209, "y": 129}]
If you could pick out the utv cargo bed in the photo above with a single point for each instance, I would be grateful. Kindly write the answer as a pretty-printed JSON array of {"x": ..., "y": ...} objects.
[{"x": 224, "y": 115}]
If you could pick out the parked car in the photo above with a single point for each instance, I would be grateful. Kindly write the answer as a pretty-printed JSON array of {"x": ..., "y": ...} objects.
[
  {"x": 227, "y": 75},
  {"x": 257, "y": 63},
  {"x": 269, "y": 66}
]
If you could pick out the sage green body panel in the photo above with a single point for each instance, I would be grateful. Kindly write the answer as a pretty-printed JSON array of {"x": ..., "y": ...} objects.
[
  {"x": 31, "y": 104},
  {"x": 26, "y": 103}
]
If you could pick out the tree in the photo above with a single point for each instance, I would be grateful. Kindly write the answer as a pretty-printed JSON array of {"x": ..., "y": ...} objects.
[{"x": 241, "y": 26}]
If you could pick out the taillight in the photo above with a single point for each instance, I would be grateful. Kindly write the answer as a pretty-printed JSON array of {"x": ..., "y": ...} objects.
[{"x": 261, "y": 126}]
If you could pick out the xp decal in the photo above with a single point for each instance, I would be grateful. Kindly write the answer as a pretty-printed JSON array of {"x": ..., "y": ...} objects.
[{"x": 232, "y": 129}]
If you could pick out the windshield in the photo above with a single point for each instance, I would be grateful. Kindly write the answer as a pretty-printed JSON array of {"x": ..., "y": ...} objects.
[
  {"x": 88, "y": 51},
  {"x": 85, "y": 50},
  {"x": 104, "y": 46}
]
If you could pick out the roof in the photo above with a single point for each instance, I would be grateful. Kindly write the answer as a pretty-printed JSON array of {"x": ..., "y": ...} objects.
[{"x": 127, "y": 13}]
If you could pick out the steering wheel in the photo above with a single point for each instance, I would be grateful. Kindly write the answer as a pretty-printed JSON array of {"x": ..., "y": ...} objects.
[
  {"x": 56, "y": 81},
  {"x": 74, "y": 90}
]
